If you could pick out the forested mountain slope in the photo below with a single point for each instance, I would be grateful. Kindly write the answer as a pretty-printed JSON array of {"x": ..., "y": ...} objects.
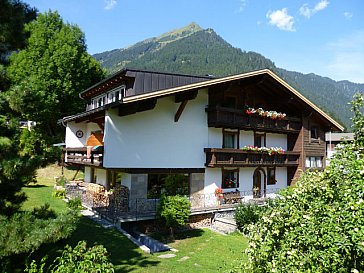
[{"x": 193, "y": 50}]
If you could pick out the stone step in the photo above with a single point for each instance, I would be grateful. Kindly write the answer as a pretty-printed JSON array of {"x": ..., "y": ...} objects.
[{"x": 224, "y": 225}]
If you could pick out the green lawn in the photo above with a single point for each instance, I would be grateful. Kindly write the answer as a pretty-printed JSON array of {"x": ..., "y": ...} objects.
[{"x": 198, "y": 250}]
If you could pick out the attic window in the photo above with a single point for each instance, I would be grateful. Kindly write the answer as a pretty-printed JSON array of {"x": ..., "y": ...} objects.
[
  {"x": 108, "y": 97},
  {"x": 314, "y": 132}
]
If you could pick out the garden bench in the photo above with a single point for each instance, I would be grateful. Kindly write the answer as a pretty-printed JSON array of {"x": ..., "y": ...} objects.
[{"x": 232, "y": 198}]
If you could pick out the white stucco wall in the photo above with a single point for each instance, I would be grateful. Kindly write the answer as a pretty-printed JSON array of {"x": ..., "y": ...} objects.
[
  {"x": 214, "y": 138},
  {"x": 72, "y": 141},
  {"x": 91, "y": 127},
  {"x": 246, "y": 138},
  {"x": 276, "y": 140},
  {"x": 213, "y": 178},
  {"x": 87, "y": 174},
  {"x": 152, "y": 139},
  {"x": 101, "y": 177}
]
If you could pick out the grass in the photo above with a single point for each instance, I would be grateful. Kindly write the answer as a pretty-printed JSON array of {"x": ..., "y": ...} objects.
[
  {"x": 41, "y": 192},
  {"x": 200, "y": 250}
]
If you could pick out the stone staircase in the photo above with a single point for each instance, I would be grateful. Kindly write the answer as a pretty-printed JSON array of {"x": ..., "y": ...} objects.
[{"x": 224, "y": 223}]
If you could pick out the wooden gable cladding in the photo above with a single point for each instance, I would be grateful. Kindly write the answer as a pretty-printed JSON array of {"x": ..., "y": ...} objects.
[
  {"x": 313, "y": 146},
  {"x": 95, "y": 139}
]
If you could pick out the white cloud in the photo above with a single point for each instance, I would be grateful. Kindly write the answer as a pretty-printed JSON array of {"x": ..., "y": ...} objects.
[
  {"x": 281, "y": 19},
  {"x": 242, "y": 4},
  {"x": 307, "y": 12},
  {"x": 348, "y": 15},
  {"x": 110, "y": 4},
  {"x": 348, "y": 58}
]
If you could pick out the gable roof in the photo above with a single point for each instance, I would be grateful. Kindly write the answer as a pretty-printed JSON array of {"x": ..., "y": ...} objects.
[
  {"x": 186, "y": 84},
  {"x": 141, "y": 81},
  {"x": 212, "y": 82}
]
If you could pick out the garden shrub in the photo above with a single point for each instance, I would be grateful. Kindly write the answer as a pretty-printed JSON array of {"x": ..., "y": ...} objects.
[
  {"x": 246, "y": 214},
  {"x": 318, "y": 225},
  {"x": 61, "y": 181},
  {"x": 77, "y": 260},
  {"x": 59, "y": 194},
  {"x": 174, "y": 210},
  {"x": 75, "y": 203}
]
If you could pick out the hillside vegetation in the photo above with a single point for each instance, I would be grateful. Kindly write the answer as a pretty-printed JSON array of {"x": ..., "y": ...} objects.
[{"x": 193, "y": 50}]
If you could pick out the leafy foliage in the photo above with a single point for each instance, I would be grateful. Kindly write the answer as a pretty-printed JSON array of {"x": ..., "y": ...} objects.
[
  {"x": 247, "y": 214},
  {"x": 26, "y": 232},
  {"x": 49, "y": 72},
  {"x": 174, "y": 210},
  {"x": 80, "y": 259},
  {"x": 317, "y": 226},
  {"x": 13, "y": 15},
  {"x": 75, "y": 203},
  {"x": 59, "y": 193},
  {"x": 15, "y": 170}
]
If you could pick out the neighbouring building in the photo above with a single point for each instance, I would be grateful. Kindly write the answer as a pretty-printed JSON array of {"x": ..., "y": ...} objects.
[
  {"x": 250, "y": 134},
  {"x": 333, "y": 139}
]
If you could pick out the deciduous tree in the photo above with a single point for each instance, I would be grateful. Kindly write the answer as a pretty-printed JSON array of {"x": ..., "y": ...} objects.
[{"x": 49, "y": 72}]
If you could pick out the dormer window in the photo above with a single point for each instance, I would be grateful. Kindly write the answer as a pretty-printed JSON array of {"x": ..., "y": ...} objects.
[{"x": 109, "y": 97}]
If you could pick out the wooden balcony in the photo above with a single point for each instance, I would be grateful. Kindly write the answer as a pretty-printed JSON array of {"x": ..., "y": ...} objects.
[
  {"x": 80, "y": 156},
  {"x": 217, "y": 157},
  {"x": 221, "y": 117}
]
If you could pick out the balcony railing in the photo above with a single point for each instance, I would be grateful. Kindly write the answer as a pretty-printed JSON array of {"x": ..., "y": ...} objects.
[
  {"x": 217, "y": 157},
  {"x": 84, "y": 156},
  {"x": 118, "y": 208},
  {"x": 221, "y": 117}
]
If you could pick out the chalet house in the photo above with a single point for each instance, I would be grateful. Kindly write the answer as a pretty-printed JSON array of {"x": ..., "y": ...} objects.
[{"x": 249, "y": 134}]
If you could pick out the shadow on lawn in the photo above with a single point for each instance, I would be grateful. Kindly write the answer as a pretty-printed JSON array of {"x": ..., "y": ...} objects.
[
  {"x": 178, "y": 235},
  {"x": 34, "y": 186},
  {"x": 125, "y": 256}
]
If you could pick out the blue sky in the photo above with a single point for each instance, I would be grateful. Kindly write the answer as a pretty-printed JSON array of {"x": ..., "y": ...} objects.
[{"x": 325, "y": 37}]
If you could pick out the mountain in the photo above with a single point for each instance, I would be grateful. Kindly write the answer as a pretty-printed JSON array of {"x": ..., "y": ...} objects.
[{"x": 193, "y": 50}]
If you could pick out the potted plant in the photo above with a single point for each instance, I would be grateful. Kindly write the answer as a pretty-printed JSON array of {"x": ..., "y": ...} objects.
[
  {"x": 256, "y": 192},
  {"x": 219, "y": 193}
]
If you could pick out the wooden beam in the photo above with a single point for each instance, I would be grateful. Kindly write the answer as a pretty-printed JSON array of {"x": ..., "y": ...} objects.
[
  {"x": 180, "y": 110},
  {"x": 129, "y": 109},
  {"x": 181, "y": 97},
  {"x": 101, "y": 125}
]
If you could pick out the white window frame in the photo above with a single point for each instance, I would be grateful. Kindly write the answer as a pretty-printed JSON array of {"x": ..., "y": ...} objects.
[
  {"x": 314, "y": 162},
  {"x": 111, "y": 96}
]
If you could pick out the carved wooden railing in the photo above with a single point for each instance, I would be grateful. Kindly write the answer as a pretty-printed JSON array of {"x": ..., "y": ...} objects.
[
  {"x": 222, "y": 117},
  {"x": 217, "y": 157},
  {"x": 80, "y": 156}
]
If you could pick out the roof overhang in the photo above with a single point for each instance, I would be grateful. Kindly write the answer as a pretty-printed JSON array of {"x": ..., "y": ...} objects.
[
  {"x": 202, "y": 85},
  {"x": 208, "y": 83}
]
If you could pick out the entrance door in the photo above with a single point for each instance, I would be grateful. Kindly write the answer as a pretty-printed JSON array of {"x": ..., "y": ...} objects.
[{"x": 259, "y": 185}]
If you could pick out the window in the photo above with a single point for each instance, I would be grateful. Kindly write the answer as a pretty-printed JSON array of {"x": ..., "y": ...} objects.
[
  {"x": 314, "y": 162},
  {"x": 230, "y": 139},
  {"x": 314, "y": 132},
  {"x": 109, "y": 97},
  {"x": 271, "y": 177},
  {"x": 170, "y": 184},
  {"x": 259, "y": 140},
  {"x": 230, "y": 179}
]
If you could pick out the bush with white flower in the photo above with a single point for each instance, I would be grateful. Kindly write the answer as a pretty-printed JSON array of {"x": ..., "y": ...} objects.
[{"x": 318, "y": 225}]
